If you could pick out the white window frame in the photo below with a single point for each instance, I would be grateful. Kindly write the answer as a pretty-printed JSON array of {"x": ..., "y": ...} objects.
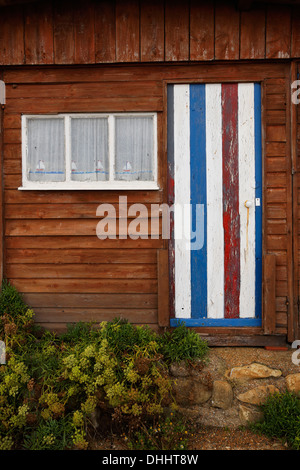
[{"x": 68, "y": 184}]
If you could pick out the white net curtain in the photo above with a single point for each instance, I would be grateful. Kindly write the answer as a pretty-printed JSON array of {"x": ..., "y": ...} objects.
[
  {"x": 132, "y": 149},
  {"x": 89, "y": 149},
  {"x": 46, "y": 150}
]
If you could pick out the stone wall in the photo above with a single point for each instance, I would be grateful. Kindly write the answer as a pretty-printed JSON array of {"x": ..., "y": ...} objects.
[{"x": 228, "y": 390}]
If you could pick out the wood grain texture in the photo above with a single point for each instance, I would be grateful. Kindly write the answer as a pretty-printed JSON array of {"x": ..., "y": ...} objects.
[
  {"x": 152, "y": 31},
  {"x": 96, "y": 300},
  {"x": 105, "y": 31},
  {"x": 38, "y": 35},
  {"x": 12, "y": 49},
  {"x": 252, "y": 34},
  {"x": 63, "y": 32},
  {"x": 278, "y": 32},
  {"x": 295, "y": 41},
  {"x": 132, "y": 30},
  {"x": 269, "y": 311},
  {"x": 201, "y": 30},
  {"x": 227, "y": 19},
  {"x": 84, "y": 32},
  {"x": 127, "y": 31},
  {"x": 163, "y": 288},
  {"x": 176, "y": 30}
]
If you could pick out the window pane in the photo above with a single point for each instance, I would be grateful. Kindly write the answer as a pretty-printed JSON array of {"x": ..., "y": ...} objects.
[
  {"x": 134, "y": 148},
  {"x": 89, "y": 142},
  {"x": 46, "y": 150}
]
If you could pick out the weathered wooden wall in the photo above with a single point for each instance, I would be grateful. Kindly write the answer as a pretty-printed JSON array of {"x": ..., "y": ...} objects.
[
  {"x": 107, "y": 31},
  {"x": 52, "y": 254}
]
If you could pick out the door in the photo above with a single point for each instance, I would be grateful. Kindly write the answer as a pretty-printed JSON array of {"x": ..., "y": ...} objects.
[{"x": 215, "y": 186}]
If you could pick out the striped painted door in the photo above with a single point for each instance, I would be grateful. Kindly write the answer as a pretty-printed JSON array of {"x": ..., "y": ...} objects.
[{"x": 215, "y": 184}]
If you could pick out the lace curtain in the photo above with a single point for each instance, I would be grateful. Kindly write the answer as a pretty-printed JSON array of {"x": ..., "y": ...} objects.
[
  {"x": 89, "y": 149},
  {"x": 46, "y": 150},
  {"x": 89, "y": 144},
  {"x": 134, "y": 148}
]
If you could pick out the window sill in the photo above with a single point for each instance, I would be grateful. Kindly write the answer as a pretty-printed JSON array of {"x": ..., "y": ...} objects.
[{"x": 104, "y": 186}]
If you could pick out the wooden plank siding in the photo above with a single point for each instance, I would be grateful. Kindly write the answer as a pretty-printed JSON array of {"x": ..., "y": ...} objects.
[
  {"x": 52, "y": 254},
  {"x": 278, "y": 238},
  {"x": 49, "y": 260},
  {"x": 66, "y": 32}
]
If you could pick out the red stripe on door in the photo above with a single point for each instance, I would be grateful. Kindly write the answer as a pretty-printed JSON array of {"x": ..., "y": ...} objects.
[{"x": 231, "y": 219}]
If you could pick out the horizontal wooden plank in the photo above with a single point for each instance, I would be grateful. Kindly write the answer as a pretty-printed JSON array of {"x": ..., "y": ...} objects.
[
  {"x": 12, "y": 167},
  {"x": 276, "y": 227},
  {"x": 12, "y": 181},
  {"x": 276, "y": 211},
  {"x": 275, "y": 149},
  {"x": 118, "y": 286},
  {"x": 69, "y": 315},
  {"x": 70, "y": 242},
  {"x": 276, "y": 242},
  {"x": 12, "y": 151},
  {"x": 276, "y": 134},
  {"x": 85, "y": 90},
  {"x": 77, "y": 227},
  {"x": 276, "y": 179},
  {"x": 77, "y": 256},
  {"x": 12, "y": 136},
  {"x": 12, "y": 121},
  {"x": 72, "y": 211},
  {"x": 245, "y": 72},
  {"x": 276, "y": 163},
  {"x": 90, "y": 300},
  {"x": 276, "y": 117},
  {"x": 276, "y": 195},
  {"x": 81, "y": 271},
  {"x": 275, "y": 86},
  {"x": 85, "y": 105},
  {"x": 275, "y": 101},
  {"x": 99, "y": 197}
]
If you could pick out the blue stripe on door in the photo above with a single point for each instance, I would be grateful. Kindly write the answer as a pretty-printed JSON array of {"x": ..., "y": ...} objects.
[{"x": 198, "y": 196}]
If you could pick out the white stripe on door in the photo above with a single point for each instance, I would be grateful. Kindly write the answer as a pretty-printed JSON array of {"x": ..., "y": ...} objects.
[
  {"x": 182, "y": 198},
  {"x": 214, "y": 195},
  {"x": 246, "y": 192}
]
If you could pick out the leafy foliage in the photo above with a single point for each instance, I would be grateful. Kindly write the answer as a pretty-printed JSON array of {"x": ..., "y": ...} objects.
[
  {"x": 165, "y": 433},
  {"x": 52, "y": 385},
  {"x": 183, "y": 344},
  {"x": 281, "y": 418}
]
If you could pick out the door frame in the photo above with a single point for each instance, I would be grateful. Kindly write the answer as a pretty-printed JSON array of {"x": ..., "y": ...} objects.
[{"x": 238, "y": 72}]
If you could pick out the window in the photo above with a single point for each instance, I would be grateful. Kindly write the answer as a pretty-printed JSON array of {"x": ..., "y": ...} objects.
[{"x": 89, "y": 151}]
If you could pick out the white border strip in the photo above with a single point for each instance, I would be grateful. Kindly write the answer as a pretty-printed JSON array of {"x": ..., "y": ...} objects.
[
  {"x": 182, "y": 197},
  {"x": 247, "y": 192},
  {"x": 214, "y": 197}
]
